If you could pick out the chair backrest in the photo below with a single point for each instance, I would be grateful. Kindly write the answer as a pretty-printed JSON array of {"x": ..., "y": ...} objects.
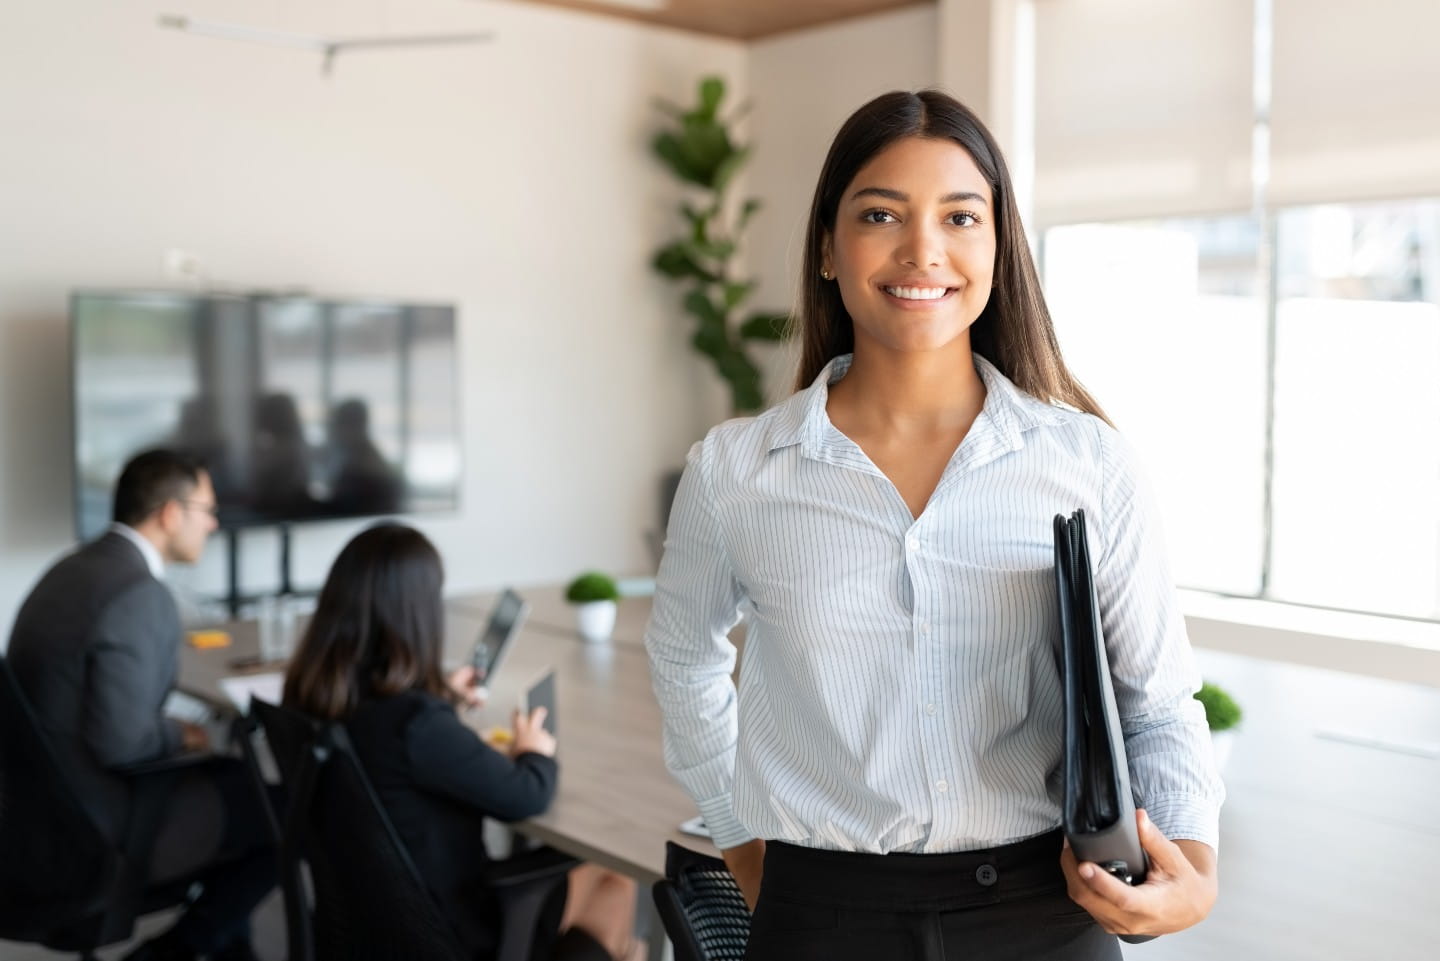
[
  {"x": 57, "y": 869},
  {"x": 370, "y": 901},
  {"x": 701, "y": 906}
]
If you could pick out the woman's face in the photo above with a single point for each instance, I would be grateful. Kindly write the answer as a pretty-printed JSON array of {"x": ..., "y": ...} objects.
[{"x": 914, "y": 246}]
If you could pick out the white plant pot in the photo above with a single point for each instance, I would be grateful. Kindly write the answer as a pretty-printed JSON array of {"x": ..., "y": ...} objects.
[
  {"x": 1223, "y": 741},
  {"x": 596, "y": 620}
]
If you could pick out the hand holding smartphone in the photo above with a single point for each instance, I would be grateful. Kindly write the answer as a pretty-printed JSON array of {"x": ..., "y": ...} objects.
[
  {"x": 498, "y": 636},
  {"x": 537, "y": 703}
]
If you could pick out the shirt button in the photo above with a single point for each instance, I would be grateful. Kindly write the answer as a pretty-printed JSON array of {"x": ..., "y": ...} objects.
[
  {"x": 942, "y": 785},
  {"x": 930, "y": 709},
  {"x": 986, "y": 874},
  {"x": 913, "y": 543}
]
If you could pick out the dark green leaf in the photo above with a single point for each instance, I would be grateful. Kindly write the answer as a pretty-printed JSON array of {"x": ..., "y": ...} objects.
[
  {"x": 701, "y": 306},
  {"x": 736, "y": 292},
  {"x": 728, "y": 167},
  {"x": 712, "y": 91},
  {"x": 716, "y": 249},
  {"x": 706, "y": 149},
  {"x": 710, "y": 340},
  {"x": 677, "y": 261},
  {"x": 744, "y": 380},
  {"x": 765, "y": 326},
  {"x": 670, "y": 149}
]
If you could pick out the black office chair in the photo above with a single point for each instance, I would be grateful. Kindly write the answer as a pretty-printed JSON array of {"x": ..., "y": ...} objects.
[
  {"x": 370, "y": 902},
  {"x": 63, "y": 884},
  {"x": 701, "y": 907}
]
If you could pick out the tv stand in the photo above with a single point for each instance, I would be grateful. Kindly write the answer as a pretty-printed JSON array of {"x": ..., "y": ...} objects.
[{"x": 233, "y": 597}]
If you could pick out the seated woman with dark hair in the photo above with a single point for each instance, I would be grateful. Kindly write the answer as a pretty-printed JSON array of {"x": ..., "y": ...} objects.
[{"x": 372, "y": 659}]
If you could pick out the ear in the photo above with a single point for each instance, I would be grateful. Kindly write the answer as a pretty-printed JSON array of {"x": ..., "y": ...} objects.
[
  {"x": 168, "y": 516},
  {"x": 825, "y": 256}
]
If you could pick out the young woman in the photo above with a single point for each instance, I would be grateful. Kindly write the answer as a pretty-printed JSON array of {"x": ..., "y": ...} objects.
[
  {"x": 889, "y": 766},
  {"x": 372, "y": 658}
]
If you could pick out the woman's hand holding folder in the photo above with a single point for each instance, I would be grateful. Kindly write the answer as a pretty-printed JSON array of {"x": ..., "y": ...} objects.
[{"x": 1179, "y": 888}]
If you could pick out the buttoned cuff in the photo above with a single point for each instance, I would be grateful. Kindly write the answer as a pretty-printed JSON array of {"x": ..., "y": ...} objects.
[
  {"x": 1186, "y": 817},
  {"x": 725, "y": 830}
]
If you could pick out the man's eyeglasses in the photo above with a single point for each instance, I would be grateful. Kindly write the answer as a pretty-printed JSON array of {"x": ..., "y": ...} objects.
[{"x": 212, "y": 509}]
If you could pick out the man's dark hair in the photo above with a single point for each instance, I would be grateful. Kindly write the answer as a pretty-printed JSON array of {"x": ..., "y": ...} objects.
[{"x": 150, "y": 481}]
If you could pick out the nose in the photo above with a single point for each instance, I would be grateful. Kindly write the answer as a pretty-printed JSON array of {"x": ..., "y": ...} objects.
[{"x": 921, "y": 245}]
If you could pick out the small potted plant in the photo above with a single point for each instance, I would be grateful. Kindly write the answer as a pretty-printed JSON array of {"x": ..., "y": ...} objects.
[
  {"x": 1223, "y": 715},
  {"x": 594, "y": 596}
]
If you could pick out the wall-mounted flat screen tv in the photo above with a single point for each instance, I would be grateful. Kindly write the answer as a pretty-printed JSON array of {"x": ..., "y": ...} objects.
[{"x": 301, "y": 408}]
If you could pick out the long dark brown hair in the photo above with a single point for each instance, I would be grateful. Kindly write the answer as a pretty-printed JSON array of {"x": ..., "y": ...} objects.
[
  {"x": 378, "y": 626},
  {"x": 1013, "y": 331}
]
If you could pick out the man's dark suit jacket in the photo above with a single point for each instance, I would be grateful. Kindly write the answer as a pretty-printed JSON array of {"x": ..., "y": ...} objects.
[{"x": 95, "y": 649}]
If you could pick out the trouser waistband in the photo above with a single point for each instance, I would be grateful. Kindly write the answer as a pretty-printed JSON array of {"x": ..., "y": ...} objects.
[{"x": 919, "y": 882}]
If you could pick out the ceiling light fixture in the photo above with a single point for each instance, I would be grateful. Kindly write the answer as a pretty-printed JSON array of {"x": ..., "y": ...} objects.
[{"x": 327, "y": 47}]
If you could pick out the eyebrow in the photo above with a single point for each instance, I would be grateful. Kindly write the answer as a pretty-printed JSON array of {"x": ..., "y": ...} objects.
[{"x": 959, "y": 196}]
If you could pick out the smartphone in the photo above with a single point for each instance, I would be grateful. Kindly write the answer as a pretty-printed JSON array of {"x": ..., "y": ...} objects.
[
  {"x": 498, "y": 637},
  {"x": 542, "y": 694}
]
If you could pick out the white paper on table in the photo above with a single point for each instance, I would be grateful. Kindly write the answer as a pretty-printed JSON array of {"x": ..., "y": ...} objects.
[{"x": 241, "y": 687}]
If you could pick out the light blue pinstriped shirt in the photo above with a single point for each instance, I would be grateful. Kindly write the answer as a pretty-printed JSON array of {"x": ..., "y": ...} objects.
[{"x": 899, "y": 690}]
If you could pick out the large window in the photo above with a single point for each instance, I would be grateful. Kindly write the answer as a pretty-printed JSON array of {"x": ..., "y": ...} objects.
[
  {"x": 1356, "y": 515},
  {"x": 1163, "y": 322},
  {"x": 1319, "y": 484}
]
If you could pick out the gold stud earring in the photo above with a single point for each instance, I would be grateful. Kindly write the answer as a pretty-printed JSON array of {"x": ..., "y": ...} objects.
[{"x": 825, "y": 274}]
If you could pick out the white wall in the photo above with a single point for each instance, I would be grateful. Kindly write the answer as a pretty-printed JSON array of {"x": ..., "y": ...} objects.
[
  {"x": 513, "y": 179},
  {"x": 804, "y": 85}
]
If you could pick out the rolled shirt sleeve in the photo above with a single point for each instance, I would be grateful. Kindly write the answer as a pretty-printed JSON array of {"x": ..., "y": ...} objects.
[{"x": 1167, "y": 742}]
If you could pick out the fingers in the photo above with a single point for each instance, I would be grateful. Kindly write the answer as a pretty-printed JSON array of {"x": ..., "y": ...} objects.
[
  {"x": 529, "y": 723},
  {"x": 464, "y": 682},
  {"x": 1115, "y": 905},
  {"x": 1106, "y": 886},
  {"x": 1110, "y": 901},
  {"x": 1165, "y": 855}
]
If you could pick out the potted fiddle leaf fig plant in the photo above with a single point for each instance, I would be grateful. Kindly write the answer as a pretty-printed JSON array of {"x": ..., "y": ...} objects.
[
  {"x": 1223, "y": 715},
  {"x": 698, "y": 147},
  {"x": 595, "y": 596}
]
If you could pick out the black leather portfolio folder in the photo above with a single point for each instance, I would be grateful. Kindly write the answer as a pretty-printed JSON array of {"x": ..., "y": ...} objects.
[{"x": 1098, "y": 809}]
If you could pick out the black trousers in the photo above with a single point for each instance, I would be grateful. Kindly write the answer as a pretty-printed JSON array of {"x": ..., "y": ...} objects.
[
  {"x": 1000, "y": 904},
  {"x": 213, "y": 827}
]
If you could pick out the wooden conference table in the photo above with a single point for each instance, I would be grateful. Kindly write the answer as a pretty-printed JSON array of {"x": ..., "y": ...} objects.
[{"x": 616, "y": 804}]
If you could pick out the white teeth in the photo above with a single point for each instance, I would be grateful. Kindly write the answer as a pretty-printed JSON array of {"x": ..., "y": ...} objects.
[{"x": 917, "y": 293}]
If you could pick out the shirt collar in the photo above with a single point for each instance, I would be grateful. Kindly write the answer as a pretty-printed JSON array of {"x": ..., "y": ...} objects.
[
  {"x": 802, "y": 418},
  {"x": 147, "y": 550}
]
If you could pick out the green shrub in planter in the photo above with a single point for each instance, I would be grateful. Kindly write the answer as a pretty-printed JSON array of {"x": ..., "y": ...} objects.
[
  {"x": 1221, "y": 711},
  {"x": 592, "y": 586}
]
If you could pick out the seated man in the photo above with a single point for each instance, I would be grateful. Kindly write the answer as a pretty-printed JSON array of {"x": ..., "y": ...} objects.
[{"x": 95, "y": 649}]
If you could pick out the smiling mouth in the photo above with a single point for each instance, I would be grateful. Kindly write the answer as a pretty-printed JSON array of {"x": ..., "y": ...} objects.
[{"x": 918, "y": 293}]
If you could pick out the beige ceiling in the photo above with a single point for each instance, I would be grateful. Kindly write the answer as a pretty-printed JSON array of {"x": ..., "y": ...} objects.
[{"x": 739, "y": 19}]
